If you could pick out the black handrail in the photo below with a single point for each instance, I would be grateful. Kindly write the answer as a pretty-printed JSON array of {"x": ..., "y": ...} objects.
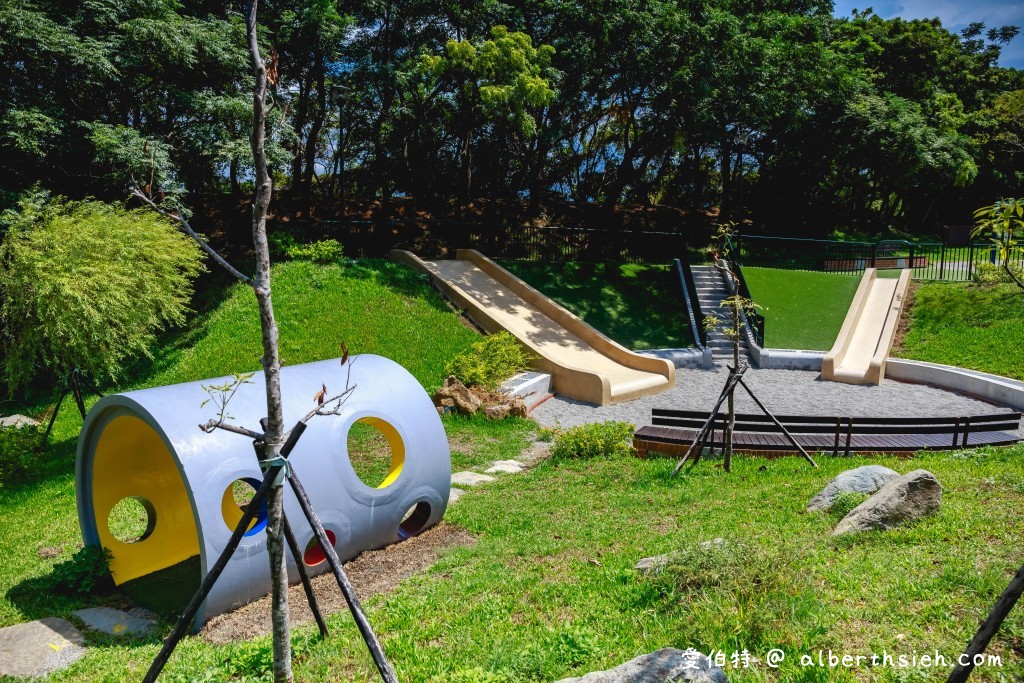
[
  {"x": 684, "y": 275},
  {"x": 755, "y": 319}
]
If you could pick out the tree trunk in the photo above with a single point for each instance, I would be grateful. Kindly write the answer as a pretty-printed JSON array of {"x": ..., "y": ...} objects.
[
  {"x": 273, "y": 437},
  {"x": 312, "y": 143},
  {"x": 730, "y": 424}
]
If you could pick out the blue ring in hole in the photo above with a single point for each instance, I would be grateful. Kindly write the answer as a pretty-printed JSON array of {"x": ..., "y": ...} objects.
[{"x": 261, "y": 517}]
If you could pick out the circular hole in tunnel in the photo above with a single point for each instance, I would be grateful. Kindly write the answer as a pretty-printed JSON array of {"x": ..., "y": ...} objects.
[
  {"x": 237, "y": 497},
  {"x": 376, "y": 452},
  {"x": 131, "y": 520},
  {"x": 415, "y": 520},
  {"x": 314, "y": 553}
]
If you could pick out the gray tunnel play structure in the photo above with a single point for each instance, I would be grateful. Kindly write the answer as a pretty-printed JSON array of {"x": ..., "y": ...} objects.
[{"x": 146, "y": 447}]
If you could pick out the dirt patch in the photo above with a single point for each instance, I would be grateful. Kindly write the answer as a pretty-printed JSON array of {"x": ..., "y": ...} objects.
[
  {"x": 371, "y": 573},
  {"x": 904, "y": 327}
]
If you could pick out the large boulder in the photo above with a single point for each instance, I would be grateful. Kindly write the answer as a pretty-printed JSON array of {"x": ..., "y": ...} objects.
[
  {"x": 866, "y": 479},
  {"x": 905, "y": 499},
  {"x": 460, "y": 395},
  {"x": 667, "y": 664}
]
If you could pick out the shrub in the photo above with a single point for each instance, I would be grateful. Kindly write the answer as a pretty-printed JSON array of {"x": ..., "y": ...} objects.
[
  {"x": 323, "y": 252},
  {"x": 992, "y": 274},
  {"x": 87, "y": 285},
  {"x": 86, "y": 573},
  {"x": 18, "y": 446},
  {"x": 845, "y": 502},
  {"x": 596, "y": 440},
  {"x": 490, "y": 361},
  {"x": 710, "y": 563}
]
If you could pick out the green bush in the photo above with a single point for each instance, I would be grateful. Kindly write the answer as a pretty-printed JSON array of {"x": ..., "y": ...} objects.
[
  {"x": 845, "y": 502},
  {"x": 87, "y": 285},
  {"x": 86, "y": 573},
  {"x": 18, "y": 446},
  {"x": 490, "y": 361},
  {"x": 323, "y": 252},
  {"x": 992, "y": 274},
  {"x": 596, "y": 440}
]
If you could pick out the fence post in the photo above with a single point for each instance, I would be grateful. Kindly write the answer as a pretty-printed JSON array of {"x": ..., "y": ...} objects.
[
  {"x": 874, "y": 252},
  {"x": 942, "y": 261},
  {"x": 970, "y": 262}
]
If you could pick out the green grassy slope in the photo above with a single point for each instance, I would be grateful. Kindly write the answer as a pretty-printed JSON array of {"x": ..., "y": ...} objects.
[
  {"x": 375, "y": 307},
  {"x": 981, "y": 328},
  {"x": 802, "y": 310},
  {"x": 636, "y": 305}
]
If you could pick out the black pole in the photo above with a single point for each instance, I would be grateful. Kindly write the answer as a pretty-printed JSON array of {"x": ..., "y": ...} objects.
[
  {"x": 988, "y": 629},
  {"x": 729, "y": 387},
  {"x": 185, "y": 622},
  {"x": 53, "y": 418},
  {"x": 778, "y": 424},
  {"x": 307, "y": 586},
  {"x": 362, "y": 623}
]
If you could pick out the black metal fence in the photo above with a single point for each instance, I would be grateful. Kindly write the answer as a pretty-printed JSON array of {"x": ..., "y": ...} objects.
[
  {"x": 441, "y": 238},
  {"x": 929, "y": 260}
]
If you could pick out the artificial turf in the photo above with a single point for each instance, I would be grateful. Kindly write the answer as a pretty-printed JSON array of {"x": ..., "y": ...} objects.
[{"x": 802, "y": 310}]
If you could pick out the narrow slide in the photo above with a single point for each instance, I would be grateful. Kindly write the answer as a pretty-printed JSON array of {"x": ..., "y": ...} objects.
[
  {"x": 583, "y": 363},
  {"x": 866, "y": 337}
]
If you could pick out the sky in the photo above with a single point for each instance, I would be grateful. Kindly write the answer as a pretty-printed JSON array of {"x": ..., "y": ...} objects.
[{"x": 955, "y": 15}]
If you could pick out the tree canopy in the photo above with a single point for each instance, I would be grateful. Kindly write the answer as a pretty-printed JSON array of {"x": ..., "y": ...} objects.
[{"x": 862, "y": 122}]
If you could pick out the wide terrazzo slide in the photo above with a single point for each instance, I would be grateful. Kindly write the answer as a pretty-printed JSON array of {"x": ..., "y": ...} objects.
[
  {"x": 862, "y": 348},
  {"x": 583, "y": 363}
]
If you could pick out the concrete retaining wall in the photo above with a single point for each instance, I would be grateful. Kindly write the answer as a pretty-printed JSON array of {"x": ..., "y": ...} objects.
[{"x": 1001, "y": 390}]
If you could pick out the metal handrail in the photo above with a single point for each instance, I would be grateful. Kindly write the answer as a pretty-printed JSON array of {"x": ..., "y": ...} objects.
[{"x": 688, "y": 286}]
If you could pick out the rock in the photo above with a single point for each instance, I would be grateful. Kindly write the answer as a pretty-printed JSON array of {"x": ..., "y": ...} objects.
[
  {"x": 517, "y": 407},
  {"x": 38, "y": 648},
  {"x": 115, "y": 622},
  {"x": 540, "y": 450},
  {"x": 18, "y": 421},
  {"x": 454, "y": 494},
  {"x": 470, "y": 478},
  {"x": 653, "y": 565},
  {"x": 497, "y": 412},
  {"x": 460, "y": 396},
  {"x": 915, "y": 495},
  {"x": 663, "y": 666},
  {"x": 866, "y": 479},
  {"x": 505, "y": 467}
]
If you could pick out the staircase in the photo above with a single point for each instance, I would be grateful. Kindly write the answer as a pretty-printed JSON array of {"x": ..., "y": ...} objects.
[{"x": 712, "y": 290}]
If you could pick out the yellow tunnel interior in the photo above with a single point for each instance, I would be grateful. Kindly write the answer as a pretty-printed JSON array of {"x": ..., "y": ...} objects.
[
  {"x": 131, "y": 461},
  {"x": 394, "y": 440}
]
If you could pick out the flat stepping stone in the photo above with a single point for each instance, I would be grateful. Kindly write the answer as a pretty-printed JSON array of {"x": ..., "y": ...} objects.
[
  {"x": 505, "y": 467},
  {"x": 39, "y": 648},
  {"x": 468, "y": 478},
  {"x": 114, "y": 622},
  {"x": 454, "y": 494}
]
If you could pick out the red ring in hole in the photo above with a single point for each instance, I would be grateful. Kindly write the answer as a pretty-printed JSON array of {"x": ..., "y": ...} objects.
[{"x": 315, "y": 553}]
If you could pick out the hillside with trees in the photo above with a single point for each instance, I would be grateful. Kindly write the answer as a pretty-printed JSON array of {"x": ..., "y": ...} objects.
[{"x": 813, "y": 122}]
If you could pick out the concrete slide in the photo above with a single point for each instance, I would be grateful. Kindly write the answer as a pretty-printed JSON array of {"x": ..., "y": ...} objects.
[
  {"x": 583, "y": 363},
  {"x": 866, "y": 337}
]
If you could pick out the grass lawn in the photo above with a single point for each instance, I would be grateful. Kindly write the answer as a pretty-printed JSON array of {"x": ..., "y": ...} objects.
[
  {"x": 636, "y": 305},
  {"x": 967, "y": 325},
  {"x": 802, "y": 310},
  {"x": 375, "y": 306},
  {"x": 549, "y": 590}
]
